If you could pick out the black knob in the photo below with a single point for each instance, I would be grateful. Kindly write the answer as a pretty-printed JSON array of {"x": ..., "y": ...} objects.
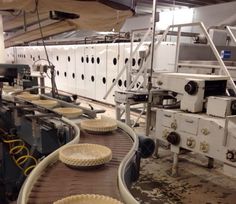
[
  {"x": 191, "y": 87},
  {"x": 233, "y": 107},
  {"x": 146, "y": 146},
  {"x": 173, "y": 138},
  {"x": 231, "y": 155}
]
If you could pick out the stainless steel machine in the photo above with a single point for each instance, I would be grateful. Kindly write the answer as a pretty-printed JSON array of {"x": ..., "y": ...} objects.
[{"x": 204, "y": 121}]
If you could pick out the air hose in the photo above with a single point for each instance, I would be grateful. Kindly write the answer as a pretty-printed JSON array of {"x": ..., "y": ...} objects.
[{"x": 19, "y": 153}]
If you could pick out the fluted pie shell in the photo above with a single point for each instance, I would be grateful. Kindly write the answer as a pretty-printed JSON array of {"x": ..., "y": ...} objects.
[
  {"x": 102, "y": 125},
  {"x": 88, "y": 199},
  {"x": 46, "y": 103},
  {"x": 85, "y": 155},
  {"x": 27, "y": 96},
  {"x": 8, "y": 89},
  {"x": 69, "y": 112}
]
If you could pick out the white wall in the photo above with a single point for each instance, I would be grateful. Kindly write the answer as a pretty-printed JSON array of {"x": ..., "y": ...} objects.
[{"x": 2, "y": 49}]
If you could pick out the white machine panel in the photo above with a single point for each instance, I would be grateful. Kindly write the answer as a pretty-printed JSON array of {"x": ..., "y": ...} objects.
[
  {"x": 90, "y": 71},
  {"x": 168, "y": 118},
  {"x": 212, "y": 135},
  {"x": 134, "y": 63},
  {"x": 220, "y": 106},
  {"x": 124, "y": 49},
  {"x": 60, "y": 62},
  {"x": 70, "y": 78},
  {"x": 164, "y": 59},
  {"x": 101, "y": 71},
  {"x": 116, "y": 55},
  {"x": 188, "y": 124},
  {"x": 200, "y": 133},
  {"x": 230, "y": 141},
  {"x": 80, "y": 62},
  {"x": 9, "y": 55},
  {"x": 112, "y": 69}
]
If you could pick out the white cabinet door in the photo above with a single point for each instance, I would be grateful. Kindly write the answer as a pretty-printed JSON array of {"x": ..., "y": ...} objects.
[
  {"x": 101, "y": 71},
  {"x": 90, "y": 72},
  {"x": 112, "y": 70},
  {"x": 70, "y": 78},
  {"x": 123, "y": 57},
  {"x": 79, "y": 70},
  {"x": 60, "y": 62}
]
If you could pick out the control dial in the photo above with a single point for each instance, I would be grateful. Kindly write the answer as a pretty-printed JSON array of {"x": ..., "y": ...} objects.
[
  {"x": 191, "y": 87},
  {"x": 231, "y": 155},
  {"x": 173, "y": 138}
]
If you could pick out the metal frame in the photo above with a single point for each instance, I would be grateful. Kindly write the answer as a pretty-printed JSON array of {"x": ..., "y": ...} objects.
[
  {"x": 223, "y": 68},
  {"x": 128, "y": 62},
  {"x": 53, "y": 157},
  {"x": 229, "y": 30}
]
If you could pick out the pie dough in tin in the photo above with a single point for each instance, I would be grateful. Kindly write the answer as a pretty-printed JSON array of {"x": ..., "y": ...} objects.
[
  {"x": 85, "y": 155},
  {"x": 27, "y": 96},
  {"x": 102, "y": 125},
  {"x": 46, "y": 103},
  {"x": 88, "y": 199},
  {"x": 69, "y": 112}
]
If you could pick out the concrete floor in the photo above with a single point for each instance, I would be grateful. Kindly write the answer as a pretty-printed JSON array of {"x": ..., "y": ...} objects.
[{"x": 195, "y": 183}]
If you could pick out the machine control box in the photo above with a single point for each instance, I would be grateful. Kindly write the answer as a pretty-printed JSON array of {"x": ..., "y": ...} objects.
[
  {"x": 221, "y": 106},
  {"x": 131, "y": 97}
]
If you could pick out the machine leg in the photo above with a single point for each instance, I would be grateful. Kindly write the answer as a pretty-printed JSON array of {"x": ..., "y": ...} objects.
[
  {"x": 42, "y": 84},
  {"x": 127, "y": 114},
  {"x": 157, "y": 144},
  {"x": 175, "y": 165},
  {"x": 118, "y": 115}
]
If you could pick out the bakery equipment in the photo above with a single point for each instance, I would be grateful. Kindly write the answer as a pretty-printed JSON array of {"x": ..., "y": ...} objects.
[{"x": 204, "y": 120}]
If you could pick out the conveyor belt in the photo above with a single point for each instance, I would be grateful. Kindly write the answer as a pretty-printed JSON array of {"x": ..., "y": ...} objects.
[{"x": 58, "y": 181}]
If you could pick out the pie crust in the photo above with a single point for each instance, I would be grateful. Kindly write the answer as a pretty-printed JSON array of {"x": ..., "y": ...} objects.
[
  {"x": 88, "y": 199},
  {"x": 85, "y": 155},
  {"x": 69, "y": 112}
]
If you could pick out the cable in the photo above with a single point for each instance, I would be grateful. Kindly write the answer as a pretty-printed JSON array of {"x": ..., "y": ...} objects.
[
  {"x": 19, "y": 152},
  {"x": 53, "y": 83},
  {"x": 41, "y": 31}
]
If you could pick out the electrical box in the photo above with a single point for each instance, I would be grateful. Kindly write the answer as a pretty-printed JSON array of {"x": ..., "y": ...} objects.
[{"x": 221, "y": 106}]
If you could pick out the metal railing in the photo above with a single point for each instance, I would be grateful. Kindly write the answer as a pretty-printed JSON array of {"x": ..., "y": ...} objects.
[
  {"x": 128, "y": 62},
  {"x": 223, "y": 68}
]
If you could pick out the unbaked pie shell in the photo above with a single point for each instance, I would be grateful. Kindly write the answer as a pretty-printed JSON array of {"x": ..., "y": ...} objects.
[
  {"x": 88, "y": 199},
  {"x": 85, "y": 155},
  {"x": 46, "y": 103},
  {"x": 102, "y": 125},
  {"x": 27, "y": 96},
  {"x": 69, "y": 112}
]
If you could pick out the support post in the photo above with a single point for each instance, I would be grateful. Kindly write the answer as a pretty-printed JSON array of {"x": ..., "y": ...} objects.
[
  {"x": 148, "y": 115},
  {"x": 177, "y": 49},
  {"x": 2, "y": 48},
  {"x": 175, "y": 165}
]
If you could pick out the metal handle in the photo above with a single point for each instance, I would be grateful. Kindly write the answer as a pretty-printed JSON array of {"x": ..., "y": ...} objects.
[
  {"x": 189, "y": 121},
  {"x": 168, "y": 116}
]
